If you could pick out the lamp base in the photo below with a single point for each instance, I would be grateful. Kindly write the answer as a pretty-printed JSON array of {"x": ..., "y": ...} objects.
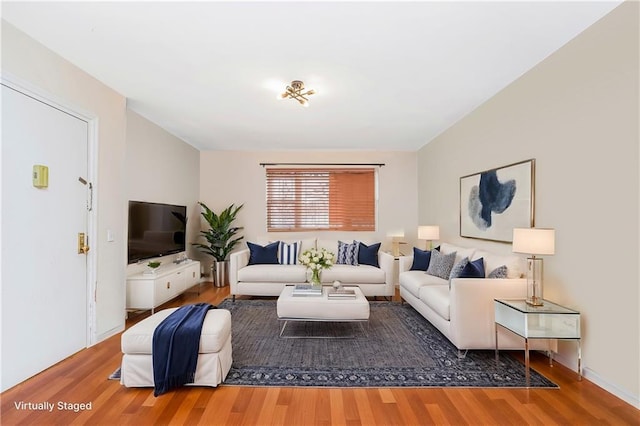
[
  {"x": 534, "y": 281},
  {"x": 535, "y": 301}
]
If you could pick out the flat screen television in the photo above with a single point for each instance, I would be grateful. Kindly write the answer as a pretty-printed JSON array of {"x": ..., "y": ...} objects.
[{"x": 155, "y": 230}]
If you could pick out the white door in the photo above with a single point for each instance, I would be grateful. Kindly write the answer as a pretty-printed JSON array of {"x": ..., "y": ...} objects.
[{"x": 44, "y": 278}]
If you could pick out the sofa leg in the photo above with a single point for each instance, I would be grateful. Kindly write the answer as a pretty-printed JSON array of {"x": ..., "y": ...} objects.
[
  {"x": 233, "y": 298},
  {"x": 462, "y": 354}
]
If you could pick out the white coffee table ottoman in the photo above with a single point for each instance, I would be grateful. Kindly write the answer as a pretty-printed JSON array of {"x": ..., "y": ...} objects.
[
  {"x": 214, "y": 355},
  {"x": 321, "y": 308}
]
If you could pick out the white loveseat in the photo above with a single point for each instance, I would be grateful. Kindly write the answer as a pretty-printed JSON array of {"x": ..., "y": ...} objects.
[
  {"x": 464, "y": 310},
  {"x": 269, "y": 280}
]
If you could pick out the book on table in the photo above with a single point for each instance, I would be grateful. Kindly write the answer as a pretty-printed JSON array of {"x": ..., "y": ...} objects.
[
  {"x": 341, "y": 293},
  {"x": 307, "y": 290}
]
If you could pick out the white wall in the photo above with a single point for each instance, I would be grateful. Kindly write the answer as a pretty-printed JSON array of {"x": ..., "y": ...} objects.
[
  {"x": 136, "y": 160},
  {"x": 577, "y": 114},
  {"x": 29, "y": 61},
  {"x": 162, "y": 168},
  {"x": 236, "y": 177}
]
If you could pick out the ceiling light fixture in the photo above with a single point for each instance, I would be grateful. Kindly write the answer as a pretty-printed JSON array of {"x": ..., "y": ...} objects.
[{"x": 296, "y": 91}]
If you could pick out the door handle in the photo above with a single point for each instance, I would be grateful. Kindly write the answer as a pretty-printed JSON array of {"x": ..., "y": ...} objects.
[{"x": 83, "y": 248}]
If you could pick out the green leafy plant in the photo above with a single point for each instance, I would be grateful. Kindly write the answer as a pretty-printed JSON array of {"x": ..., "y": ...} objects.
[
  {"x": 221, "y": 235},
  {"x": 154, "y": 265}
]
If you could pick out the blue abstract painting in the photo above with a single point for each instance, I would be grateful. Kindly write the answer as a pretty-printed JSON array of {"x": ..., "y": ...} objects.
[{"x": 495, "y": 201}]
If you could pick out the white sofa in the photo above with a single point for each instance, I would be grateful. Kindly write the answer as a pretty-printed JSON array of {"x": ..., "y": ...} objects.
[
  {"x": 464, "y": 311},
  {"x": 269, "y": 280}
]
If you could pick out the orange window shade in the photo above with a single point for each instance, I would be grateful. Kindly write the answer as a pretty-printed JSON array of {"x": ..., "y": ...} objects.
[{"x": 321, "y": 199}]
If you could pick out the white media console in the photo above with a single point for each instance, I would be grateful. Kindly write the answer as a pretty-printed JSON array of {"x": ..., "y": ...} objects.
[{"x": 148, "y": 291}]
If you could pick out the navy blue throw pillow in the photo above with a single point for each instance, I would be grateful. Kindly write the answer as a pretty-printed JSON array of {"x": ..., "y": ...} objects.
[
  {"x": 421, "y": 259},
  {"x": 473, "y": 269},
  {"x": 259, "y": 255},
  {"x": 368, "y": 255}
]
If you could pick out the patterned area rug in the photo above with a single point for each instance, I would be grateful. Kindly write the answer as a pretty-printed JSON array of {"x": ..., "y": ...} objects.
[
  {"x": 397, "y": 348},
  {"x": 115, "y": 375}
]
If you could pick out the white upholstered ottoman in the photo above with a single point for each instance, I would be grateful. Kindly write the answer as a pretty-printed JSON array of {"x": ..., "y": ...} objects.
[
  {"x": 214, "y": 357},
  {"x": 320, "y": 308}
]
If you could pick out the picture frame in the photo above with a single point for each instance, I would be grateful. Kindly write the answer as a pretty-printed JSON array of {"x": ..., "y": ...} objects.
[{"x": 495, "y": 201}]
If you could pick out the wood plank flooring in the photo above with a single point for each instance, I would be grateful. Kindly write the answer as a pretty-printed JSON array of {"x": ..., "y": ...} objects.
[{"x": 82, "y": 378}]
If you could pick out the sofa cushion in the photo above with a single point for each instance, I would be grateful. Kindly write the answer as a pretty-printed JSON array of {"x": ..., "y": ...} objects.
[
  {"x": 305, "y": 243},
  {"x": 331, "y": 245},
  {"x": 473, "y": 269},
  {"x": 347, "y": 253},
  {"x": 441, "y": 264},
  {"x": 138, "y": 339},
  {"x": 421, "y": 259},
  {"x": 437, "y": 298},
  {"x": 288, "y": 252},
  {"x": 368, "y": 255},
  {"x": 348, "y": 274},
  {"x": 514, "y": 264},
  {"x": 461, "y": 252},
  {"x": 263, "y": 255},
  {"x": 413, "y": 281},
  {"x": 273, "y": 273}
]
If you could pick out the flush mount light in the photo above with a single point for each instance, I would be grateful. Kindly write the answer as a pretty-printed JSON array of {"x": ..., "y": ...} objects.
[{"x": 296, "y": 91}]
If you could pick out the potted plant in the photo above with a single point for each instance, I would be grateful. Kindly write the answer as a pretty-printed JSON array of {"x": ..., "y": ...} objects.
[
  {"x": 221, "y": 239},
  {"x": 152, "y": 266}
]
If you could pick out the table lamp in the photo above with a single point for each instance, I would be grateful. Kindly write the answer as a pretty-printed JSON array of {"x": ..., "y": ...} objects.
[
  {"x": 429, "y": 233},
  {"x": 534, "y": 241}
]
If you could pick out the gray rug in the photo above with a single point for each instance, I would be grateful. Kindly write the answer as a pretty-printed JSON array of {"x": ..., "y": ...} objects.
[{"x": 397, "y": 348}]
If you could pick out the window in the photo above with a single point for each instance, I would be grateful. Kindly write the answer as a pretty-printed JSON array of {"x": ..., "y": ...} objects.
[{"x": 321, "y": 199}]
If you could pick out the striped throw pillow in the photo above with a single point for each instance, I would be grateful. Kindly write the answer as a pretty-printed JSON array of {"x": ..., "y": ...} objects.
[{"x": 288, "y": 252}]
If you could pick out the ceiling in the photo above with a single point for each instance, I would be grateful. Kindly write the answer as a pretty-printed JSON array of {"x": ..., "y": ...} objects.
[{"x": 388, "y": 75}]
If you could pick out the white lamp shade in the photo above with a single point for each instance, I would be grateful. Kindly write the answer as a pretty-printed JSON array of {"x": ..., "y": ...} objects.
[
  {"x": 534, "y": 240},
  {"x": 429, "y": 232}
]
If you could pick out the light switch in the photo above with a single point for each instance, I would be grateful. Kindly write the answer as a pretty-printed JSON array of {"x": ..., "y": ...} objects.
[
  {"x": 109, "y": 235},
  {"x": 40, "y": 176}
]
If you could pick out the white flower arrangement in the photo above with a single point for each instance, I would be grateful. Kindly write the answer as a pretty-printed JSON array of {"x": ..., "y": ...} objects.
[{"x": 316, "y": 260}]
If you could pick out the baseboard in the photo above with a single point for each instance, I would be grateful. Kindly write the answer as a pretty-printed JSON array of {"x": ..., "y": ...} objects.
[
  {"x": 611, "y": 388},
  {"x": 109, "y": 333},
  {"x": 597, "y": 380}
]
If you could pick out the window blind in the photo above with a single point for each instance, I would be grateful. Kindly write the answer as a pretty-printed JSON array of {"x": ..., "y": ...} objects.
[{"x": 305, "y": 199}]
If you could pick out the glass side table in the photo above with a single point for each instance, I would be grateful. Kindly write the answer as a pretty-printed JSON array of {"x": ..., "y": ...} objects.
[{"x": 549, "y": 321}]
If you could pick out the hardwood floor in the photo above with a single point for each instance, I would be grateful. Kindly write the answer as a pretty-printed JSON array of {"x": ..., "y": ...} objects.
[{"x": 82, "y": 378}]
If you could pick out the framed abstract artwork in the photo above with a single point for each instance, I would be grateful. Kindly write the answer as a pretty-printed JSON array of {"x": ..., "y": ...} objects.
[{"x": 495, "y": 201}]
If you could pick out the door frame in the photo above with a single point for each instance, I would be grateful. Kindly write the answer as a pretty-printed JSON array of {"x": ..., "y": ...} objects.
[{"x": 54, "y": 101}]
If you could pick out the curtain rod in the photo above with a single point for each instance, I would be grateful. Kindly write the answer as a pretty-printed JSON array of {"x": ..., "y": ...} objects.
[{"x": 322, "y": 164}]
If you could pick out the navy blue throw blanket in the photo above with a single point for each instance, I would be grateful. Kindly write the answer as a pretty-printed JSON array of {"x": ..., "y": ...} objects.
[{"x": 176, "y": 341}]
